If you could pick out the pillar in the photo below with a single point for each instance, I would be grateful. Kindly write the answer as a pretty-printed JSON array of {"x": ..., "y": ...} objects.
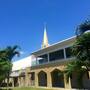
[
  {"x": 64, "y": 53},
  {"x": 48, "y": 57},
  {"x": 29, "y": 83},
  {"x": 24, "y": 81},
  {"x": 89, "y": 74},
  {"x": 36, "y": 79},
  {"x": 49, "y": 79},
  {"x": 27, "y": 77},
  {"x": 12, "y": 82},
  {"x": 67, "y": 85},
  {"x": 19, "y": 81}
]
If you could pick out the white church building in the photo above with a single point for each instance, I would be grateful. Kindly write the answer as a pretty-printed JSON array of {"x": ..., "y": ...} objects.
[{"x": 43, "y": 67}]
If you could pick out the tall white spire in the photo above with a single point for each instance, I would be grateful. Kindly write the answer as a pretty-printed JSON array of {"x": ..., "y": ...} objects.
[{"x": 45, "y": 39}]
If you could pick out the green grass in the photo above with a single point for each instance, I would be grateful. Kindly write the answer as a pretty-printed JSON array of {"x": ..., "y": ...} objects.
[
  {"x": 26, "y": 88},
  {"x": 29, "y": 88}
]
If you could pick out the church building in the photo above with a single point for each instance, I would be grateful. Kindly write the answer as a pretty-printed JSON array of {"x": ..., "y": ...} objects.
[{"x": 43, "y": 68}]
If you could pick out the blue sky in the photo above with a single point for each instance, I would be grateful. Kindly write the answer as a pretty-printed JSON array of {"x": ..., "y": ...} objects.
[{"x": 22, "y": 21}]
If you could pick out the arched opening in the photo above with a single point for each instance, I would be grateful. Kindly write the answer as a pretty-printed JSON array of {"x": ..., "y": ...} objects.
[
  {"x": 15, "y": 81},
  {"x": 42, "y": 78},
  {"x": 57, "y": 78},
  {"x": 32, "y": 78}
]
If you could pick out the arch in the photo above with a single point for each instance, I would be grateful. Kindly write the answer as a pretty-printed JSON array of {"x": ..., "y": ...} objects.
[
  {"x": 15, "y": 81},
  {"x": 42, "y": 78},
  {"x": 57, "y": 78}
]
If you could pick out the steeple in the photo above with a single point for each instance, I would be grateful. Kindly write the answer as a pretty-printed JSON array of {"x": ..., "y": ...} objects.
[{"x": 45, "y": 39}]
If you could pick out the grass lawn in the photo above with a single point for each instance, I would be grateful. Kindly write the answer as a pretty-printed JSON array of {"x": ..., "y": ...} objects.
[
  {"x": 29, "y": 88},
  {"x": 25, "y": 88}
]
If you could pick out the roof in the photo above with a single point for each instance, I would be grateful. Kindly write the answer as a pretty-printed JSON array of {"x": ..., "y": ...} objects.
[
  {"x": 22, "y": 64},
  {"x": 54, "y": 45},
  {"x": 26, "y": 62}
]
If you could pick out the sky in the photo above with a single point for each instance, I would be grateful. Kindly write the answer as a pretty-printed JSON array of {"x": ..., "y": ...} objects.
[{"x": 22, "y": 21}]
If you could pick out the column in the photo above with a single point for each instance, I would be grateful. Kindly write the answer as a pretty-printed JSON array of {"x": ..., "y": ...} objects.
[
  {"x": 49, "y": 79},
  {"x": 19, "y": 81},
  {"x": 36, "y": 79},
  {"x": 12, "y": 82},
  {"x": 26, "y": 78},
  {"x": 48, "y": 57},
  {"x": 29, "y": 76},
  {"x": 36, "y": 60},
  {"x": 67, "y": 85},
  {"x": 89, "y": 74},
  {"x": 64, "y": 53}
]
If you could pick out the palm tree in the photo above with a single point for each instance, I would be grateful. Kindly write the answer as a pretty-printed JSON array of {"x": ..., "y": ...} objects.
[
  {"x": 85, "y": 26},
  {"x": 8, "y": 54},
  {"x": 81, "y": 50},
  {"x": 5, "y": 66},
  {"x": 79, "y": 68},
  {"x": 11, "y": 52}
]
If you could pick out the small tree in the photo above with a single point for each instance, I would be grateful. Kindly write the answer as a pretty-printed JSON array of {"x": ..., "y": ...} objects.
[
  {"x": 78, "y": 67},
  {"x": 81, "y": 50},
  {"x": 5, "y": 66},
  {"x": 6, "y": 56}
]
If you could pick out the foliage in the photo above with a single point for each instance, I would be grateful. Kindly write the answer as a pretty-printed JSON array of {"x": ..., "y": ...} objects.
[
  {"x": 5, "y": 66},
  {"x": 83, "y": 27},
  {"x": 81, "y": 50},
  {"x": 10, "y": 52},
  {"x": 79, "y": 68},
  {"x": 6, "y": 56}
]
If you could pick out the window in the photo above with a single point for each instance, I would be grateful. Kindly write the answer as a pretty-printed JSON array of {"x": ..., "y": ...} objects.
[
  {"x": 56, "y": 55},
  {"x": 68, "y": 52},
  {"x": 32, "y": 76},
  {"x": 43, "y": 59}
]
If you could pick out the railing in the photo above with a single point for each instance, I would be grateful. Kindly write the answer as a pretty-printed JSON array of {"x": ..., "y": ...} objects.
[{"x": 36, "y": 62}]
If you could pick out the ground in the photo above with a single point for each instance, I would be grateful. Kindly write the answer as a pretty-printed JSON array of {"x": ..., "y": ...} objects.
[
  {"x": 26, "y": 88},
  {"x": 30, "y": 89}
]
